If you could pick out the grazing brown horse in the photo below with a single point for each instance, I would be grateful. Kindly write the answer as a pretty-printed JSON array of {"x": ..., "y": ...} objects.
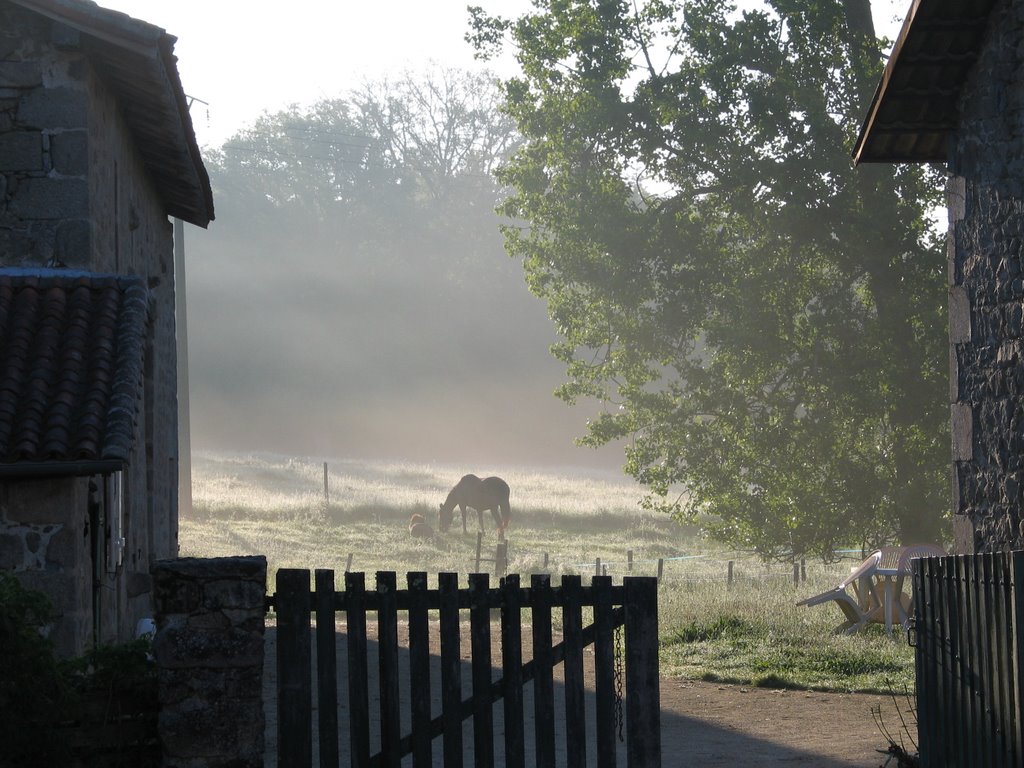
[{"x": 491, "y": 493}]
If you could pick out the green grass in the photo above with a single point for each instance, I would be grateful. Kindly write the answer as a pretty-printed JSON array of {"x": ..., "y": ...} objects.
[{"x": 752, "y": 633}]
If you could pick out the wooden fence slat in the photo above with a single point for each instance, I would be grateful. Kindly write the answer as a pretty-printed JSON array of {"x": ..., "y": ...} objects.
[
  {"x": 1001, "y": 634},
  {"x": 981, "y": 660},
  {"x": 575, "y": 704},
  {"x": 296, "y": 603},
  {"x": 995, "y": 671},
  {"x": 970, "y": 720},
  {"x": 387, "y": 658},
  {"x": 294, "y": 673},
  {"x": 1016, "y": 568},
  {"x": 326, "y": 669},
  {"x": 604, "y": 669},
  {"x": 922, "y": 654},
  {"x": 419, "y": 669},
  {"x": 543, "y": 681},
  {"x": 358, "y": 687},
  {"x": 987, "y": 652},
  {"x": 643, "y": 695},
  {"x": 949, "y": 675},
  {"x": 480, "y": 646},
  {"x": 451, "y": 674},
  {"x": 512, "y": 664},
  {"x": 963, "y": 691}
]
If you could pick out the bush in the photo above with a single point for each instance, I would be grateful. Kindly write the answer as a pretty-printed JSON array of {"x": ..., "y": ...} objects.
[
  {"x": 32, "y": 689},
  {"x": 53, "y": 709}
]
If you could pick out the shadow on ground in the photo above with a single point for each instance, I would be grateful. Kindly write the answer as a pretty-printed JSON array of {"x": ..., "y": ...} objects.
[{"x": 702, "y": 724}]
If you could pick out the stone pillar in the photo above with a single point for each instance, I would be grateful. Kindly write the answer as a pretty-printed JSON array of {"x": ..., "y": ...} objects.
[{"x": 209, "y": 656}]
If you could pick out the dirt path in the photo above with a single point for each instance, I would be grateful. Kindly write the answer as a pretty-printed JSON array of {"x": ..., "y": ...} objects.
[{"x": 702, "y": 724}]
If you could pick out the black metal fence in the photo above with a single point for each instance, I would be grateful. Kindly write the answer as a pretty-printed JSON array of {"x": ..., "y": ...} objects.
[
  {"x": 632, "y": 606},
  {"x": 969, "y": 635}
]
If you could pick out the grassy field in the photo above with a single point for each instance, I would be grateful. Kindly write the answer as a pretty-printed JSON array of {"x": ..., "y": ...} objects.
[{"x": 751, "y": 633}]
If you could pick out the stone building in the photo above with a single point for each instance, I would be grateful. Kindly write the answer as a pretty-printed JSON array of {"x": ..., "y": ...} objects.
[
  {"x": 953, "y": 93},
  {"x": 97, "y": 150}
]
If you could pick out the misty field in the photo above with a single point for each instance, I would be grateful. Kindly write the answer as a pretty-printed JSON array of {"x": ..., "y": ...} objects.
[{"x": 751, "y": 633}]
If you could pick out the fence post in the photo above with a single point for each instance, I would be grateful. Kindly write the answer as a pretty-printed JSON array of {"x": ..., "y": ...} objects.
[
  {"x": 604, "y": 671},
  {"x": 358, "y": 684},
  {"x": 451, "y": 678},
  {"x": 1016, "y": 578},
  {"x": 729, "y": 578},
  {"x": 575, "y": 708},
  {"x": 480, "y": 647},
  {"x": 803, "y": 570},
  {"x": 597, "y": 566},
  {"x": 419, "y": 668},
  {"x": 543, "y": 683},
  {"x": 796, "y": 574},
  {"x": 348, "y": 563},
  {"x": 512, "y": 670},
  {"x": 545, "y": 560},
  {"x": 661, "y": 567},
  {"x": 326, "y": 669},
  {"x": 501, "y": 558},
  {"x": 294, "y": 694},
  {"x": 479, "y": 544},
  {"x": 387, "y": 664},
  {"x": 629, "y": 560},
  {"x": 643, "y": 697}
]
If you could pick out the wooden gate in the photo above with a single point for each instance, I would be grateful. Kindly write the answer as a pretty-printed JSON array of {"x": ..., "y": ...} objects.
[
  {"x": 633, "y": 606},
  {"x": 969, "y": 634}
]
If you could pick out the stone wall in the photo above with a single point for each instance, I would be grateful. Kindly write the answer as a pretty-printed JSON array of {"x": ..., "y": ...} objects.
[
  {"x": 45, "y": 541},
  {"x": 209, "y": 656},
  {"x": 986, "y": 297},
  {"x": 74, "y": 192}
]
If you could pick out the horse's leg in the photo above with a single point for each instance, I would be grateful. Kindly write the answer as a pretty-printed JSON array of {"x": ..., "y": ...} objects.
[{"x": 505, "y": 517}]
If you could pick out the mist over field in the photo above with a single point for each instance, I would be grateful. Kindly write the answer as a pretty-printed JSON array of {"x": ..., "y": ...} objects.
[{"x": 354, "y": 300}]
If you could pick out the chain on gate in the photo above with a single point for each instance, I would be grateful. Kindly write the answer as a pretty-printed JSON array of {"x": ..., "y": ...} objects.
[{"x": 618, "y": 680}]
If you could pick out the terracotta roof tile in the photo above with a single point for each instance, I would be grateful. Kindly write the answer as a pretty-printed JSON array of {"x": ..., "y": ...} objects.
[{"x": 71, "y": 369}]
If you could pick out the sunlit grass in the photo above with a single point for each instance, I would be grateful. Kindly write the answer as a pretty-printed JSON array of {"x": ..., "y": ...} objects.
[{"x": 750, "y": 633}]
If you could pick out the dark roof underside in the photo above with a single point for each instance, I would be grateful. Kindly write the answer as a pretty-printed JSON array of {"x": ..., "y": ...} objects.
[
  {"x": 914, "y": 109},
  {"x": 71, "y": 374},
  {"x": 137, "y": 62}
]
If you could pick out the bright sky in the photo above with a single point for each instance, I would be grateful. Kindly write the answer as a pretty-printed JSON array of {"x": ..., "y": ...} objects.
[{"x": 247, "y": 58}]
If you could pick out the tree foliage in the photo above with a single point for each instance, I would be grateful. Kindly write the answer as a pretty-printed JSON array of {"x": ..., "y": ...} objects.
[{"x": 762, "y": 321}]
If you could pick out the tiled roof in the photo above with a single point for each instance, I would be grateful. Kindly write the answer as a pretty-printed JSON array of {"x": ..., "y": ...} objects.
[
  {"x": 914, "y": 109},
  {"x": 71, "y": 370}
]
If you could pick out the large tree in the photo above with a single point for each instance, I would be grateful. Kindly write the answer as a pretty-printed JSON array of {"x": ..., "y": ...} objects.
[{"x": 761, "y": 321}]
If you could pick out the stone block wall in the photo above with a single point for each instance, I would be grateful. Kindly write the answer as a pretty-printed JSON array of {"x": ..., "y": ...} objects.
[
  {"x": 986, "y": 296},
  {"x": 45, "y": 541},
  {"x": 74, "y": 191},
  {"x": 209, "y": 656}
]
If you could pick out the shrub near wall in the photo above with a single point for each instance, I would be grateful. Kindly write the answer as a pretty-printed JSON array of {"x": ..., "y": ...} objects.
[{"x": 97, "y": 711}]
